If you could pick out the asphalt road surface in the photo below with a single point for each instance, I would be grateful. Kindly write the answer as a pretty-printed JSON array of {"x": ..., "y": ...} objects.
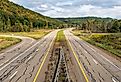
[
  {"x": 20, "y": 63},
  {"x": 95, "y": 65},
  {"x": 27, "y": 61}
]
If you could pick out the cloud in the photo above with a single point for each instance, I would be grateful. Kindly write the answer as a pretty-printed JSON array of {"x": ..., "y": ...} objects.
[
  {"x": 74, "y": 8},
  {"x": 64, "y": 3},
  {"x": 90, "y": 10},
  {"x": 44, "y": 6}
]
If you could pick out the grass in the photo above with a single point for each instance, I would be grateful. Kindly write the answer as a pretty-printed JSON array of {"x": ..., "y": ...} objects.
[
  {"x": 107, "y": 41},
  {"x": 60, "y": 36},
  {"x": 37, "y": 34},
  {"x": 7, "y": 41}
]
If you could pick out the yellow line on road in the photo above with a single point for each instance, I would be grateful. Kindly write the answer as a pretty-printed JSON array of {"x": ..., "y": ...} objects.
[
  {"x": 43, "y": 61},
  {"x": 79, "y": 63}
]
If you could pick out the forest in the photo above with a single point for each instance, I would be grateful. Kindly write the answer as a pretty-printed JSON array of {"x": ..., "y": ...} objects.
[
  {"x": 94, "y": 24},
  {"x": 15, "y": 18}
]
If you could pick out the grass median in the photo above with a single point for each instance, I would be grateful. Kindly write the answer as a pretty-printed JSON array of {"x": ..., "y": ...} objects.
[
  {"x": 60, "y": 36},
  {"x": 8, "y": 41},
  {"x": 108, "y": 41}
]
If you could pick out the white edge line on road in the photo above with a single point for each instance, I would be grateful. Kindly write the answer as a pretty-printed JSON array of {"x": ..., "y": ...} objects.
[
  {"x": 18, "y": 46},
  {"x": 15, "y": 47},
  {"x": 19, "y": 55},
  {"x": 101, "y": 55},
  {"x": 110, "y": 62},
  {"x": 13, "y": 75}
]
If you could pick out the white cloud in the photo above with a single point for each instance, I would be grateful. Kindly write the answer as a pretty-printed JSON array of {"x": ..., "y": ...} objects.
[
  {"x": 64, "y": 3},
  {"x": 74, "y": 8},
  {"x": 90, "y": 10},
  {"x": 44, "y": 6}
]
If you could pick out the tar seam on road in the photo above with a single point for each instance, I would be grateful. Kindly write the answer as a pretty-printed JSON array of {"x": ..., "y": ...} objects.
[
  {"x": 79, "y": 63},
  {"x": 43, "y": 62}
]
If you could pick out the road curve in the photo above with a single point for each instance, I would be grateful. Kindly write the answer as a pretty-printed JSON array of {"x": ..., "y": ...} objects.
[
  {"x": 25, "y": 64},
  {"x": 97, "y": 66}
]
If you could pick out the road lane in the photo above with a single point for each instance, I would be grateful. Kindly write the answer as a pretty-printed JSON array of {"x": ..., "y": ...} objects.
[
  {"x": 8, "y": 54},
  {"x": 25, "y": 67},
  {"x": 97, "y": 67}
]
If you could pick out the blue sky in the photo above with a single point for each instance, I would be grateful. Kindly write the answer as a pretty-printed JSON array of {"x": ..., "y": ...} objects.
[{"x": 74, "y": 8}]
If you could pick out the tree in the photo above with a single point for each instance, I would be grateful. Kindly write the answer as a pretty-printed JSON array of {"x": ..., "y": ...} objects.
[{"x": 115, "y": 27}]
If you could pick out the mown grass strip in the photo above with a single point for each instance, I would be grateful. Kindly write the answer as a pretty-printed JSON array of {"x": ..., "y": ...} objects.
[
  {"x": 8, "y": 41},
  {"x": 36, "y": 34},
  {"x": 60, "y": 36}
]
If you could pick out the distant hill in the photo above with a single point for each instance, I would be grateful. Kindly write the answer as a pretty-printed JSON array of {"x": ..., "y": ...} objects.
[
  {"x": 79, "y": 20},
  {"x": 94, "y": 24},
  {"x": 17, "y": 18}
]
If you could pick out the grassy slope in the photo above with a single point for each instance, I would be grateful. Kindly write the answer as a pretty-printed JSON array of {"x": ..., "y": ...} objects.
[
  {"x": 109, "y": 42},
  {"x": 37, "y": 34},
  {"x": 17, "y": 13},
  {"x": 7, "y": 41}
]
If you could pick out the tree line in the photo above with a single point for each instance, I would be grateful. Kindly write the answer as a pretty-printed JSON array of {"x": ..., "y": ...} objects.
[
  {"x": 16, "y": 18},
  {"x": 94, "y": 24}
]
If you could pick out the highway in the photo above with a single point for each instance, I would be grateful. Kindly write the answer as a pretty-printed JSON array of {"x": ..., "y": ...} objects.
[
  {"x": 94, "y": 64},
  {"x": 28, "y": 60},
  {"x": 22, "y": 62}
]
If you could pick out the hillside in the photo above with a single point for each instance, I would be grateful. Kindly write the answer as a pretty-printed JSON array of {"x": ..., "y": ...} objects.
[
  {"x": 94, "y": 24},
  {"x": 17, "y": 18}
]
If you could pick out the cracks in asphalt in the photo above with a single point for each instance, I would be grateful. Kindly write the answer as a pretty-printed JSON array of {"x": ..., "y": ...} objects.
[
  {"x": 100, "y": 76},
  {"x": 2, "y": 57},
  {"x": 92, "y": 79},
  {"x": 102, "y": 64}
]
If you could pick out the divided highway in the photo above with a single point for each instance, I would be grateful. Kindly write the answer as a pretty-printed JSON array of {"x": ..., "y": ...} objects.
[
  {"x": 21, "y": 63},
  {"x": 25, "y": 62},
  {"x": 95, "y": 65}
]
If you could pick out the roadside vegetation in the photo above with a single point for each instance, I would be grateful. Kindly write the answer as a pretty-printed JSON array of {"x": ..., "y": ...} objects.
[
  {"x": 7, "y": 41},
  {"x": 57, "y": 65},
  {"x": 94, "y": 24},
  {"x": 108, "y": 41},
  {"x": 16, "y": 18},
  {"x": 60, "y": 36},
  {"x": 36, "y": 34}
]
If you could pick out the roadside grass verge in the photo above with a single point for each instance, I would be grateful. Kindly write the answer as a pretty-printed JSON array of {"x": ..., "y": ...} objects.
[
  {"x": 108, "y": 41},
  {"x": 36, "y": 34},
  {"x": 7, "y": 42}
]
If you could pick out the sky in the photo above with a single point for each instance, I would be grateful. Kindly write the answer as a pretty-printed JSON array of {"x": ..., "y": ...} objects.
[{"x": 74, "y": 8}]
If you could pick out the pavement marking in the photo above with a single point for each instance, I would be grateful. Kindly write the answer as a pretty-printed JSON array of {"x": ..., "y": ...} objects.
[
  {"x": 43, "y": 61},
  {"x": 1, "y": 64},
  {"x": 79, "y": 63},
  {"x": 101, "y": 55},
  {"x": 95, "y": 61},
  {"x": 1, "y": 54},
  {"x": 109, "y": 61},
  {"x": 13, "y": 75},
  {"x": 15, "y": 47},
  {"x": 19, "y": 56},
  {"x": 85, "y": 51},
  {"x": 18, "y": 46},
  {"x": 114, "y": 79},
  {"x": 29, "y": 58}
]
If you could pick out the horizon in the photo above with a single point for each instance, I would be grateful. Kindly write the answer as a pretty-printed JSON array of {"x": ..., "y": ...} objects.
[{"x": 74, "y": 9}]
